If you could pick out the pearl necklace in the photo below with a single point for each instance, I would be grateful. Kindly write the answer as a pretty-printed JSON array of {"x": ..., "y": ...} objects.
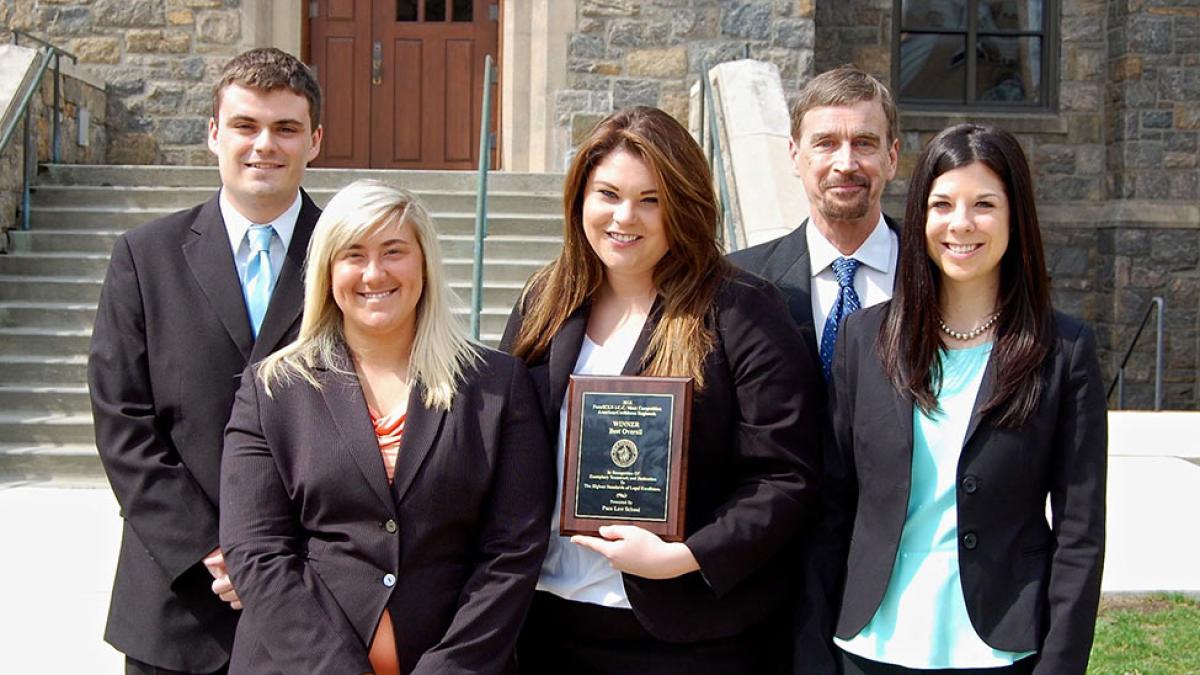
[{"x": 971, "y": 334}]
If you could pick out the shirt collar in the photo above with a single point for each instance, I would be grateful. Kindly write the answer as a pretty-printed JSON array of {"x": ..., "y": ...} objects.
[
  {"x": 236, "y": 224},
  {"x": 875, "y": 252}
]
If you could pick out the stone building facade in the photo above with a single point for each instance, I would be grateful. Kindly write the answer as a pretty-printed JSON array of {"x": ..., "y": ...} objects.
[
  {"x": 158, "y": 59},
  {"x": 625, "y": 52},
  {"x": 1116, "y": 157}
]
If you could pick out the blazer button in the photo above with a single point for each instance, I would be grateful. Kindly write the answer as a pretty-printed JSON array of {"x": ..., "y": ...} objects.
[
  {"x": 970, "y": 541},
  {"x": 970, "y": 484},
  {"x": 390, "y": 526},
  {"x": 389, "y": 580}
]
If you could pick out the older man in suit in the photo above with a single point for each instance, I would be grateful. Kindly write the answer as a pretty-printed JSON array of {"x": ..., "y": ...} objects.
[
  {"x": 188, "y": 301},
  {"x": 844, "y": 148}
]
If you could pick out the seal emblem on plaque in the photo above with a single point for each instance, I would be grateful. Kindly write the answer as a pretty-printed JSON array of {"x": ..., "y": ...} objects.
[{"x": 624, "y": 453}]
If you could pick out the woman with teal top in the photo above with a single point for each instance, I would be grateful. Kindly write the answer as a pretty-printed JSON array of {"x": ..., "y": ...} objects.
[{"x": 958, "y": 409}]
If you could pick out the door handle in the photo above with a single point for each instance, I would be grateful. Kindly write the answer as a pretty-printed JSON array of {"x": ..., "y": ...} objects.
[{"x": 376, "y": 63}]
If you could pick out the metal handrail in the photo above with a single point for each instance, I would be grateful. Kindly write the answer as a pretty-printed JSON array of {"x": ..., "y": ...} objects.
[
  {"x": 1156, "y": 303},
  {"x": 717, "y": 161},
  {"x": 487, "y": 141},
  {"x": 712, "y": 149},
  {"x": 50, "y": 53}
]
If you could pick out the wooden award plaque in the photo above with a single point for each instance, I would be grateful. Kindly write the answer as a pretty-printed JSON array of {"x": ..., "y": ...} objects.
[{"x": 626, "y": 454}]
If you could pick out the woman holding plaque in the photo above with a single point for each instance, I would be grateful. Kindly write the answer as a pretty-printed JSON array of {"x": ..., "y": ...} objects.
[
  {"x": 958, "y": 409},
  {"x": 641, "y": 288},
  {"x": 386, "y": 484}
]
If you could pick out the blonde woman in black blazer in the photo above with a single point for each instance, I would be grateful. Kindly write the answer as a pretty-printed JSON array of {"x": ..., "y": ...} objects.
[
  {"x": 642, "y": 282},
  {"x": 972, "y": 274},
  {"x": 342, "y": 566}
]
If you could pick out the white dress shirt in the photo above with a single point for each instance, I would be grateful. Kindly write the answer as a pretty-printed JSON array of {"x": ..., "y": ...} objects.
[
  {"x": 571, "y": 571},
  {"x": 236, "y": 226},
  {"x": 873, "y": 281}
]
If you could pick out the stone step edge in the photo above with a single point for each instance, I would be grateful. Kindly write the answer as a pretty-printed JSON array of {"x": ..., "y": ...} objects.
[
  {"x": 169, "y": 210},
  {"x": 45, "y": 332},
  {"x": 73, "y": 360},
  {"x": 41, "y": 388},
  {"x": 203, "y": 191},
  {"x": 517, "y": 238},
  {"x": 74, "y": 465}
]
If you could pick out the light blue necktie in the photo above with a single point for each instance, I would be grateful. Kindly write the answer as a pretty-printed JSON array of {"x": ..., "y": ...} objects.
[
  {"x": 258, "y": 283},
  {"x": 846, "y": 304}
]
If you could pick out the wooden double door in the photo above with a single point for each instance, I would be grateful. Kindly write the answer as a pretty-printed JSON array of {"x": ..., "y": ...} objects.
[{"x": 402, "y": 80}]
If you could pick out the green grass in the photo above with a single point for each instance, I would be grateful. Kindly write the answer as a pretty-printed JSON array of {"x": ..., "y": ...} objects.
[{"x": 1152, "y": 635}]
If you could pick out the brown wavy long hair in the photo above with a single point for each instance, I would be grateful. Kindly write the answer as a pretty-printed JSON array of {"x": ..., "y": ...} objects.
[
  {"x": 909, "y": 339},
  {"x": 687, "y": 277}
]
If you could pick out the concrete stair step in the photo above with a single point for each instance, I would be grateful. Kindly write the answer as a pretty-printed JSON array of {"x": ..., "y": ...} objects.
[
  {"x": 78, "y": 265},
  {"x": 50, "y": 289},
  {"x": 53, "y": 428},
  {"x": 47, "y": 370},
  {"x": 16, "y": 314},
  {"x": 314, "y": 179},
  {"x": 501, "y": 247},
  {"x": 494, "y": 271},
  {"x": 120, "y": 219},
  {"x": 20, "y": 314},
  {"x": 453, "y": 245},
  {"x": 45, "y": 398},
  {"x": 62, "y": 241},
  {"x": 177, "y": 198},
  {"x": 61, "y": 464},
  {"x": 43, "y": 342},
  {"x": 491, "y": 320},
  {"x": 499, "y": 295}
]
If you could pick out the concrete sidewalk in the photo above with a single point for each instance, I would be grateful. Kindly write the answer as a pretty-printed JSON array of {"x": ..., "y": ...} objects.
[{"x": 61, "y": 547}]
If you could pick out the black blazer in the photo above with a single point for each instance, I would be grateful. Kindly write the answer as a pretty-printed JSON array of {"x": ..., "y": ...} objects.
[
  {"x": 752, "y": 460},
  {"x": 784, "y": 262},
  {"x": 1028, "y": 585},
  {"x": 318, "y": 543},
  {"x": 172, "y": 336}
]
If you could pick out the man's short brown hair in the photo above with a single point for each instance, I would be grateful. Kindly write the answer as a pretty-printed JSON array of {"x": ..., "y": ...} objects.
[
  {"x": 845, "y": 86},
  {"x": 268, "y": 69}
]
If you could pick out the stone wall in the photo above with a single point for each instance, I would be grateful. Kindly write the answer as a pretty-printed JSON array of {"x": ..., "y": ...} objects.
[
  {"x": 1115, "y": 168},
  {"x": 650, "y": 52},
  {"x": 159, "y": 58},
  {"x": 78, "y": 92},
  {"x": 1152, "y": 127}
]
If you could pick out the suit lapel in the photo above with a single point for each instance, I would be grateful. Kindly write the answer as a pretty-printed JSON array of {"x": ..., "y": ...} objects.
[
  {"x": 796, "y": 276},
  {"x": 639, "y": 356},
  {"x": 287, "y": 299},
  {"x": 421, "y": 428},
  {"x": 904, "y": 421},
  {"x": 210, "y": 260},
  {"x": 344, "y": 398},
  {"x": 985, "y": 393},
  {"x": 564, "y": 352}
]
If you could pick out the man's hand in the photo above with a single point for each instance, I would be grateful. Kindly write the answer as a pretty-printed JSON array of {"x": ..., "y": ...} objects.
[
  {"x": 222, "y": 587},
  {"x": 634, "y": 550}
]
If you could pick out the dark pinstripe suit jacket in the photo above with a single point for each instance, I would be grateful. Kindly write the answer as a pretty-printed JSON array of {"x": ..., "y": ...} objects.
[{"x": 318, "y": 543}]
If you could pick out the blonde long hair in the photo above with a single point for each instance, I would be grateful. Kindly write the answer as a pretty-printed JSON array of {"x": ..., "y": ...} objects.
[{"x": 441, "y": 352}]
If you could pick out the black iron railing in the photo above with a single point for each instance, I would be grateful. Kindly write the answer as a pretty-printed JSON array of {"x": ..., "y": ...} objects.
[{"x": 1118, "y": 383}]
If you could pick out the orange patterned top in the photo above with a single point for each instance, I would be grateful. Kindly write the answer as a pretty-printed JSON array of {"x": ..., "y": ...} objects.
[{"x": 389, "y": 429}]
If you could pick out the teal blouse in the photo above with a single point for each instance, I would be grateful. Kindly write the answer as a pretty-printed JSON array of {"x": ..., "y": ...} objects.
[{"x": 922, "y": 621}]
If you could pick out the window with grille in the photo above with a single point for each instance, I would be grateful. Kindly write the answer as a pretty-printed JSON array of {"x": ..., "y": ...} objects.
[{"x": 974, "y": 54}]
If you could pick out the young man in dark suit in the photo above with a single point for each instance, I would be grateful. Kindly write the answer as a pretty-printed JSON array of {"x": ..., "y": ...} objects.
[
  {"x": 188, "y": 301},
  {"x": 845, "y": 148}
]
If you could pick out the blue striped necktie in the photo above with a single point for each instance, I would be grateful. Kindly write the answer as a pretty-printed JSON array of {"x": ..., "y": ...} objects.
[
  {"x": 846, "y": 304},
  {"x": 258, "y": 283}
]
